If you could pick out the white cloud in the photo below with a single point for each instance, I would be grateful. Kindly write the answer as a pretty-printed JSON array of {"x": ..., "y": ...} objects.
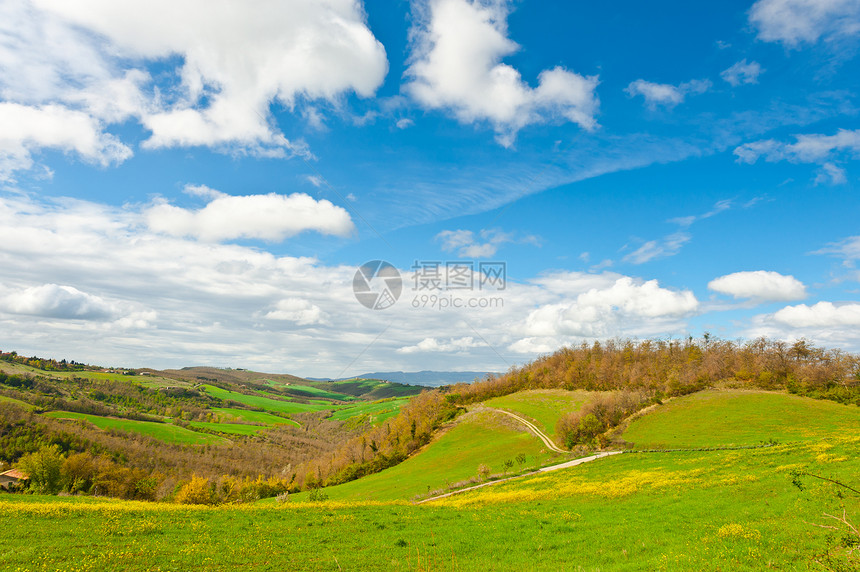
[
  {"x": 831, "y": 174},
  {"x": 742, "y": 73},
  {"x": 179, "y": 301},
  {"x": 203, "y": 191},
  {"x": 655, "y": 249},
  {"x": 269, "y": 217},
  {"x": 808, "y": 148},
  {"x": 302, "y": 312},
  {"x": 435, "y": 345},
  {"x": 55, "y": 301},
  {"x": 849, "y": 248},
  {"x": 820, "y": 315},
  {"x": 665, "y": 94},
  {"x": 468, "y": 246},
  {"x": 27, "y": 129},
  {"x": 83, "y": 63},
  {"x": 404, "y": 123},
  {"x": 458, "y": 47},
  {"x": 760, "y": 285},
  {"x": 794, "y": 22},
  {"x": 618, "y": 303}
]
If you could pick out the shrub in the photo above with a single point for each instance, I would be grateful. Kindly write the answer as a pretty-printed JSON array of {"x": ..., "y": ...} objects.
[
  {"x": 45, "y": 468},
  {"x": 196, "y": 491}
]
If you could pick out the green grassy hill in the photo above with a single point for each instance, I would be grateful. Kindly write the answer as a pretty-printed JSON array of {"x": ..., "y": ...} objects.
[
  {"x": 480, "y": 437},
  {"x": 732, "y": 417},
  {"x": 543, "y": 406},
  {"x": 162, "y": 431}
]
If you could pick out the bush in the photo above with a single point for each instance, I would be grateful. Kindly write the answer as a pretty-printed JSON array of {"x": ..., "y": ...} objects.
[
  {"x": 196, "y": 491},
  {"x": 45, "y": 468}
]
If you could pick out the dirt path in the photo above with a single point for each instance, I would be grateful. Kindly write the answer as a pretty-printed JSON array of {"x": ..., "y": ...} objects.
[
  {"x": 566, "y": 465},
  {"x": 540, "y": 434}
]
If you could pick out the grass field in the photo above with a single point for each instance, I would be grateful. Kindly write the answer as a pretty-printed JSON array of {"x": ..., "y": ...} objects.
[
  {"x": 718, "y": 510},
  {"x": 483, "y": 437},
  {"x": 268, "y": 403},
  {"x": 720, "y": 418},
  {"x": 310, "y": 391},
  {"x": 162, "y": 431},
  {"x": 375, "y": 411},
  {"x": 230, "y": 415},
  {"x": 236, "y": 421},
  {"x": 545, "y": 406}
]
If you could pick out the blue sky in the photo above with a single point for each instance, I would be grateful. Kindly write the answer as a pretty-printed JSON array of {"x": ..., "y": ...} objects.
[{"x": 185, "y": 183}]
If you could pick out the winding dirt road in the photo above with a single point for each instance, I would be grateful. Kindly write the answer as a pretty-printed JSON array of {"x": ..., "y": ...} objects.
[
  {"x": 546, "y": 441},
  {"x": 540, "y": 434}
]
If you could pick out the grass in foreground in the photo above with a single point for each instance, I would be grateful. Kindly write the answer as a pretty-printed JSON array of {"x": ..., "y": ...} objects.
[
  {"x": 162, "y": 431},
  {"x": 723, "y": 418},
  {"x": 717, "y": 510}
]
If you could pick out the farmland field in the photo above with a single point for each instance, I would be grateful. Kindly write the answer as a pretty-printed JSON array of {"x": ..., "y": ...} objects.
[
  {"x": 162, "y": 431},
  {"x": 375, "y": 412},
  {"x": 267, "y": 403}
]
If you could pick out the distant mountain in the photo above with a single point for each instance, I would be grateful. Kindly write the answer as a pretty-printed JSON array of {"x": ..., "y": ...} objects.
[{"x": 426, "y": 378}]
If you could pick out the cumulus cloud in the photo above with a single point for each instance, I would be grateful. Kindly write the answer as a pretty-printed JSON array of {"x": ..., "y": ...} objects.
[
  {"x": 436, "y": 345},
  {"x": 270, "y": 217},
  {"x": 760, "y": 285},
  {"x": 795, "y": 22},
  {"x": 742, "y": 73},
  {"x": 458, "y": 47},
  {"x": 85, "y": 62},
  {"x": 171, "y": 301},
  {"x": 820, "y": 315},
  {"x": 296, "y": 310},
  {"x": 55, "y": 301},
  {"x": 667, "y": 95},
  {"x": 641, "y": 306},
  {"x": 28, "y": 129},
  {"x": 824, "y": 150}
]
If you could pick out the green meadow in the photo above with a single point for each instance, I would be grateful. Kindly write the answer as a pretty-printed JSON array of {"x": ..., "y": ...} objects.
[
  {"x": 718, "y": 510},
  {"x": 267, "y": 403},
  {"x": 724, "y": 418},
  {"x": 310, "y": 391},
  {"x": 231, "y": 415},
  {"x": 163, "y": 431},
  {"x": 542, "y": 405},
  {"x": 374, "y": 412},
  {"x": 482, "y": 437}
]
